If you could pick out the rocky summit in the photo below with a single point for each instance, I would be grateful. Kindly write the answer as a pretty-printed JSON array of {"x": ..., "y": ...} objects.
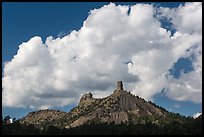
[{"x": 119, "y": 107}]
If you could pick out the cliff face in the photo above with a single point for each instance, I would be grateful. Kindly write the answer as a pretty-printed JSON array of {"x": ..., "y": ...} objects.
[
  {"x": 86, "y": 100},
  {"x": 121, "y": 106}
]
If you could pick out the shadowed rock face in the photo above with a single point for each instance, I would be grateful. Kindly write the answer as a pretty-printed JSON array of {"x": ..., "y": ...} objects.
[{"x": 121, "y": 106}]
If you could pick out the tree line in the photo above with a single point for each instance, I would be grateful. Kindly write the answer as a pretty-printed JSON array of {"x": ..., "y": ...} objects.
[{"x": 189, "y": 126}]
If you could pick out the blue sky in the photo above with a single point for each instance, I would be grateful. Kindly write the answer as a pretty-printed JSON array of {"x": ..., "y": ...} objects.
[
  {"x": 46, "y": 19},
  {"x": 22, "y": 21}
]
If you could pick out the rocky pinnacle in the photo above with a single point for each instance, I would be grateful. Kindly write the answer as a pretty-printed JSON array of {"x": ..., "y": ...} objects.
[{"x": 119, "y": 85}]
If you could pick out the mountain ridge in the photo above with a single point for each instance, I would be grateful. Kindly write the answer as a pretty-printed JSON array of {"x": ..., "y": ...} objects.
[{"x": 119, "y": 107}]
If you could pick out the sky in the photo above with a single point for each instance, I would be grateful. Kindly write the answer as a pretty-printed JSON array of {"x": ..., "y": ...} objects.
[{"x": 53, "y": 53}]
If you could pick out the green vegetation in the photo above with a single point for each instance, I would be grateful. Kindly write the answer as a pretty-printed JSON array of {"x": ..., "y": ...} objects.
[{"x": 186, "y": 126}]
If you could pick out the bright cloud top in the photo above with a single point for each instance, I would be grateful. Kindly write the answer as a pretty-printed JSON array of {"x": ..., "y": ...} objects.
[
  {"x": 196, "y": 115},
  {"x": 111, "y": 45}
]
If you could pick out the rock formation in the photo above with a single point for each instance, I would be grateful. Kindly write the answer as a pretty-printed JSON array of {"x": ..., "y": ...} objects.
[
  {"x": 119, "y": 85},
  {"x": 86, "y": 99},
  {"x": 121, "y": 106}
]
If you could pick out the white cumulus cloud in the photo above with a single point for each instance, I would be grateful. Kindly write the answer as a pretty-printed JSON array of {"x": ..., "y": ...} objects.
[
  {"x": 197, "y": 115},
  {"x": 111, "y": 45}
]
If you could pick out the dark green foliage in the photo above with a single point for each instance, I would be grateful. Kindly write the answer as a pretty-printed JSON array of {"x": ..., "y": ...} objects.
[
  {"x": 188, "y": 126},
  {"x": 18, "y": 129}
]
